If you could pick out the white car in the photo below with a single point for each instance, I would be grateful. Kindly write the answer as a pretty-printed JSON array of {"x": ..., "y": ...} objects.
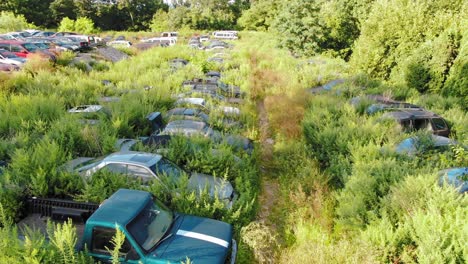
[
  {"x": 10, "y": 58},
  {"x": 170, "y": 41},
  {"x": 119, "y": 43}
]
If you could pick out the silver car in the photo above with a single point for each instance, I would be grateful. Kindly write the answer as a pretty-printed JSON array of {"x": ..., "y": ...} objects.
[
  {"x": 191, "y": 128},
  {"x": 150, "y": 166}
]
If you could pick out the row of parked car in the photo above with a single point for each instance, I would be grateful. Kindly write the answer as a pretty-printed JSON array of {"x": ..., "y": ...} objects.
[
  {"x": 410, "y": 118},
  {"x": 17, "y": 47}
]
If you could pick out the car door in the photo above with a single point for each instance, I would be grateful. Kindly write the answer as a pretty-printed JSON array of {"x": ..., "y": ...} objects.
[{"x": 101, "y": 246}]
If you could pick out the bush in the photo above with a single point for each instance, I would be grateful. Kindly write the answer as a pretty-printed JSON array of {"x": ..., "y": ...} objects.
[
  {"x": 10, "y": 22},
  {"x": 82, "y": 25},
  {"x": 417, "y": 213}
]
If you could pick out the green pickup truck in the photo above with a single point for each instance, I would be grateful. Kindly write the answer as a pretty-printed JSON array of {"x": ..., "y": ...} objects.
[{"x": 153, "y": 233}]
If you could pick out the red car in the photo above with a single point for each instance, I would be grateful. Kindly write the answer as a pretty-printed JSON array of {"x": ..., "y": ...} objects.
[{"x": 25, "y": 49}]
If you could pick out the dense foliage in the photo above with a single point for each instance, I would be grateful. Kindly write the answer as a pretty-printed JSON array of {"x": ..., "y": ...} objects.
[
  {"x": 343, "y": 194},
  {"x": 416, "y": 44},
  {"x": 132, "y": 15},
  {"x": 38, "y": 136}
]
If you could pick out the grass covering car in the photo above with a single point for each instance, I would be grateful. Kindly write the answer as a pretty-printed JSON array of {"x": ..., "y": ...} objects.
[{"x": 148, "y": 167}]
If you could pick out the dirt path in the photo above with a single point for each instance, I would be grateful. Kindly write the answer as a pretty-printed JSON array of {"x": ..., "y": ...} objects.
[{"x": 270, "y": 186}]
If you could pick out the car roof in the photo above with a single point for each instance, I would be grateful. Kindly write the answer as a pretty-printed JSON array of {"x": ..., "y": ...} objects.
[
  {"x": 192, "y": 100},
  {"x": 410, "y": 114},
  {"x": 183, "y": 111},
  {"x": 121, "y": 207},
  {"x": 133, "y": 157},
  {"x": 186, "y": 124}
]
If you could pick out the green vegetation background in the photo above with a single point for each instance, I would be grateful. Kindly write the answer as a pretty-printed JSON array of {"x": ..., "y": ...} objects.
[{"x": 341, "y": 199}]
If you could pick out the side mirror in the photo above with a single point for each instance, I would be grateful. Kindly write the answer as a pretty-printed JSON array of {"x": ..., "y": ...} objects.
[{"x": 132, "y": 255}]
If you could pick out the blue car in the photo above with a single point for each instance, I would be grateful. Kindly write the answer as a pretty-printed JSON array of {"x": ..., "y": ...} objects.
[{"x": 457, "y": 177}]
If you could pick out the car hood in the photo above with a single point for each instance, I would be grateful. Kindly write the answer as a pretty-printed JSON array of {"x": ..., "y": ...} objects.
[
  {"x": 216, "y": 186},
  {"x": 202, "y": 240}
]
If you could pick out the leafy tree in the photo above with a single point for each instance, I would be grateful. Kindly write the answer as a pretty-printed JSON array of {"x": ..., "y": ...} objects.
[
  {"x": 160, "y": 21},
  {"x": 86, "y": 8},
  {"x": 63, "y": 8},
  {"x": 301, "y": 29},
  {"x": 10, "y": 22},
  {"x": 67, "y": 24},
  {"x": 203, "y": 14},
  {"x": 36, "y": 12},
  {"x": 395, "y": 29},
  {"x": 140, "y": 12},
  {"x": 84, "y": 25},
  {"x": 260, "y": 16}
]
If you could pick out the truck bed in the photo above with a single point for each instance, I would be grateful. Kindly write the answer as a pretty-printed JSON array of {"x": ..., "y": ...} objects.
[
  {"x": 39, "y": 223},
  {"x": 42, "y": 210}
]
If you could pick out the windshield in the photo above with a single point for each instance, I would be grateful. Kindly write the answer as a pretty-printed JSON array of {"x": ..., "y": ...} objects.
[
  {"x": 166, "y": 167},
  {"x": 30, "y": 47},
  {"x": 150, "y": 226}
]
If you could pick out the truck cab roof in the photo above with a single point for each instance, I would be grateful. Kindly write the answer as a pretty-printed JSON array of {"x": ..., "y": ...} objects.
[{"x": 121, "y": 207}]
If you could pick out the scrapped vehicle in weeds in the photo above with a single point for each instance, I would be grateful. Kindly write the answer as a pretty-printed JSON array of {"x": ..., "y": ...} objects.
[
  {"x": 416, "y": 119},
  {"x": 377, "y": 103},
  {"x": 199, "y": 115},
  {"x": 456, "y": 177},
  {"x": 90, "y": 113},
  {"x": 177, "y": 63},
  {"x": 326, "y": 87},
  {"x": 153, "y": 233},
  {"x": 206, "y": 106},
  {"x": 420, "y": 144},
  {"x": 148, "y": 167},
  {"x": 187, "y": 113},
  {"x": 189, "y": 128},
  {"x": 215, "y": 85}
]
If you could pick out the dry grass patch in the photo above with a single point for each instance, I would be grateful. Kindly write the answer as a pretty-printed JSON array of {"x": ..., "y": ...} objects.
[{"x": 286, "y": 113}]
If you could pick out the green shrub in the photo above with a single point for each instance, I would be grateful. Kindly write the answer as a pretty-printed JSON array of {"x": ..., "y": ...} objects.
[
  {"x": 423, "y": 223},
  {"x": 65, "y": 58},
  {"x": 82, "y": 25},
  {"x": 10, "y": 22}
]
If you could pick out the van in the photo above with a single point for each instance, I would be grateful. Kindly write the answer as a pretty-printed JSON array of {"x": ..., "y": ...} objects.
[{"x": 225, "y": 35}]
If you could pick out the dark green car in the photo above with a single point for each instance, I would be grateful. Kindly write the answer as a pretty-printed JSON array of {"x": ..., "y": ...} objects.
[{"x": 154, "y": 234}]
